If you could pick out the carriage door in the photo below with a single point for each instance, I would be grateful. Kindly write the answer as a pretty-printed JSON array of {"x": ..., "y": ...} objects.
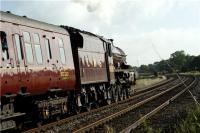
[
  {"x": 19, "y": 57},
  {"x": 50, "y": 62}
]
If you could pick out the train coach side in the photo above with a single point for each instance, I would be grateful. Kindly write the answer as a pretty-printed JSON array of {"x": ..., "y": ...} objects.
[
  {"x": 36, "y": 69},
  {"x": 36, "y": 56}
]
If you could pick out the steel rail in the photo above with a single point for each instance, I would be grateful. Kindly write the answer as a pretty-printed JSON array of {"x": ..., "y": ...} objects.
[
  {"x": 63, "y": 121},
  {"x": 154, "y": 87},
  {"x": 156, "y": 110},
  {"x": 124, "y": 111}
]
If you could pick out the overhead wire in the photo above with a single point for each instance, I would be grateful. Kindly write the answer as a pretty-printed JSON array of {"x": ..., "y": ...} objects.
[{"x": 193, "y": 97}]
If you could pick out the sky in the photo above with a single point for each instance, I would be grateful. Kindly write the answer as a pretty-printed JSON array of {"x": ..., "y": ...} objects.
[{"x": 147, "y": 30}]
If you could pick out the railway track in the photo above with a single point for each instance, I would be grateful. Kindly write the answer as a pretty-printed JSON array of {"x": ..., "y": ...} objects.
[
  {"x": 132, "y": 113},
  {"x": 90, "y": 120},
  {"x": 157, "y": 105},
  {"x": 168, "y": 119}
]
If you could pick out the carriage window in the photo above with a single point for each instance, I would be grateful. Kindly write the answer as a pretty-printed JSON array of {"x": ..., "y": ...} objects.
[
  {"x": 48, "y": 48},
  {"x": 26, "y": 37},
  {"x": 60, "y": 42},
  {"x": 19, "y": 47},
  {"x": 4, "y": 45},
  {"x": 28, "y": 47},
  {"x": 37, "y": 46},
  {"x": 36, "y": 38},
  {"x": 61, "y": 50}
]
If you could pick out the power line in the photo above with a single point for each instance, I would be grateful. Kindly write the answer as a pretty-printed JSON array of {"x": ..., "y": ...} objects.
[{"x": 155, "y": 50}]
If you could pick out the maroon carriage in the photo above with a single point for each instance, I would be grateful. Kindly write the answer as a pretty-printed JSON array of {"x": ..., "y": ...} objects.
[
  {"x": 36, "y": 64},
  {"x": 47, "y": 71}
]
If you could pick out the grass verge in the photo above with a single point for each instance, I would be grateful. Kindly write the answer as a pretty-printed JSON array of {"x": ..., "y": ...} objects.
[{"x": 192, "y": 122}]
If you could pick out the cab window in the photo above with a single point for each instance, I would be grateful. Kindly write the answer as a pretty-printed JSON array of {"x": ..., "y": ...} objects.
[
  {"x": 61, "y": 50},
  {"x": 18, "y": 47},
  {"x": 38, "y": 52},
  {"x": 28, "y": 47},
  {"x": 4, "y": 45}
]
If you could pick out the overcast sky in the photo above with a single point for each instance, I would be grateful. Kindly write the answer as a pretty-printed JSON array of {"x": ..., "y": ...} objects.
[{"x": 135, "y": 25}]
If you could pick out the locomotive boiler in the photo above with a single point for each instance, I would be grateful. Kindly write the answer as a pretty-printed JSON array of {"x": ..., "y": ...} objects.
[{"x": 49, "y": 71}]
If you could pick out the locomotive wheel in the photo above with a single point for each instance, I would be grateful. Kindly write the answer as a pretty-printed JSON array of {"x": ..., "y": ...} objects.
[
  {"x": 116, "y": 98},
  {"x": 125, "y": 97},
  {"x": 20, "y": 126},
  {"x": 39, "y": 123},
  {"x": 57, "y": 118},
  {"x": 121, "y": 95},
  {"x": 96, "y": 105},
  {"x": 64, "y": 108},
  {"x": 77, "y": 110},
  {"x": 127, "y": 93},
  {"x": 88, "y": 107},
  {"x": 109, "y": 101},
  {"x": 115, "y": 94}
]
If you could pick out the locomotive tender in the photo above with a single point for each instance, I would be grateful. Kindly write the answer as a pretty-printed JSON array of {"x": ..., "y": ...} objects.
[{"x": 48, "y": 71}]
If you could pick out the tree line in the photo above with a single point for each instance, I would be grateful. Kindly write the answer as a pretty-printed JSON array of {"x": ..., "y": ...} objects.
[{"x": 178, "y": 61}]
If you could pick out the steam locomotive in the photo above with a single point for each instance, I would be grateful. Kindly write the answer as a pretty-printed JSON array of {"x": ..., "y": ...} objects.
[{"x": 49, "y": 71}]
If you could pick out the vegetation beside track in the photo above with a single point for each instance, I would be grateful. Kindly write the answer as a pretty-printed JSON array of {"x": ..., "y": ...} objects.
[
  {"x": 179, "y": 61},
  {"x": 146, "y": 128},
  {"x": 193, "y": 73},
  {"x": 192, "y": 122},
  {"x": 182, "y": 116},
  {"x": 141, "y": 83}
]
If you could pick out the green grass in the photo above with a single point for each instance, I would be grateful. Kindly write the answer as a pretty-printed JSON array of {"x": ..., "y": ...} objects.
[
  {"x": 146, "y": 128},
  {"x": 140, "y": 83},
  {"x": 194, "y": 73},
  {"x": 192, "y": 122}
]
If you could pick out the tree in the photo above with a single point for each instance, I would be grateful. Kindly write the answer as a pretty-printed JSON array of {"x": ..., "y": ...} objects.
[
  {"x": 144, "y": 69},
  {"x": 195, "y": 64},
  {"x": 177, "y": 60},
  {"x": 188, "y": 64}
]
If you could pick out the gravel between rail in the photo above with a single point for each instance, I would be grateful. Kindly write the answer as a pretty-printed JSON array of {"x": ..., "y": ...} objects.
[
  {"x": 119, "y": 123},
  {"x": 76, "y": 122},
  {"x": 169, "y": 118}
]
